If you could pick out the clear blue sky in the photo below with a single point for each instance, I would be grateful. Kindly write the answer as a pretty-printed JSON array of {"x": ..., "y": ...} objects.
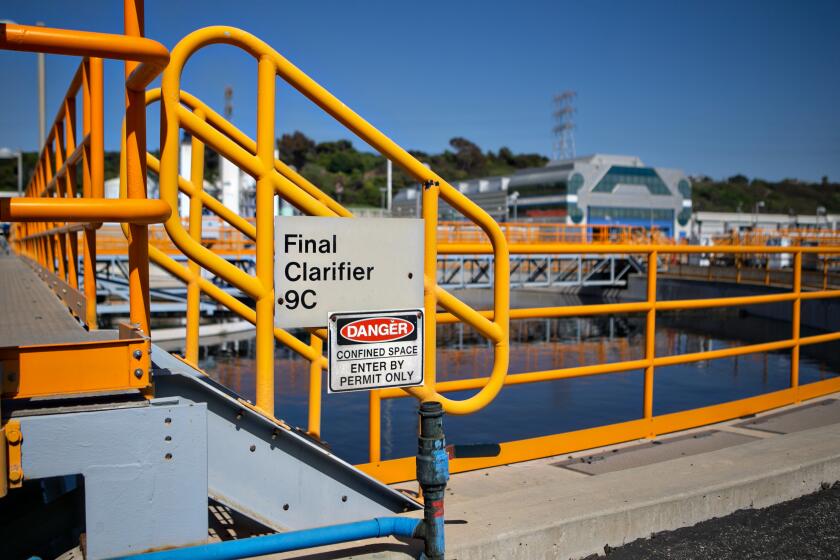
[{"x": 717, "y": 87}]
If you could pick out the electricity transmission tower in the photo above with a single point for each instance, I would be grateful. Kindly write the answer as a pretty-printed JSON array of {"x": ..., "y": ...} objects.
[{"x": 564, "y": 126}]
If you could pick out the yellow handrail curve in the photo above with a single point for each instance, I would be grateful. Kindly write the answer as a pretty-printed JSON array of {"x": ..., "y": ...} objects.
[{"x": 260, "y": 163}]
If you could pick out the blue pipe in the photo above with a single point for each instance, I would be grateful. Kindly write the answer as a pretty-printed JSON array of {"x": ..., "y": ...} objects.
[{"x": 296, "y": 540}]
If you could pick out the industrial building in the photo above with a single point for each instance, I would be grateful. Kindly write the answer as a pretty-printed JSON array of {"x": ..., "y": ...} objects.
[
  {"x": 706, "y": 225},
  {"x": 597, "y": 189}
]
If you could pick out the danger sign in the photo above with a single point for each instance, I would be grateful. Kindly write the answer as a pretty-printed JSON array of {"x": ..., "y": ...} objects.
[{"x": 374, "y": 350}]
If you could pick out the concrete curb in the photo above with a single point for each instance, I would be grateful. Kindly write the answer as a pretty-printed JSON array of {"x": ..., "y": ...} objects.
[
  {"x": 572, "y": 515},
  {"x": 616, "y": 508}
]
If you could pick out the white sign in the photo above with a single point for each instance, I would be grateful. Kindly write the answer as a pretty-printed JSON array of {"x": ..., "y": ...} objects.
[
  {"x": 374, "y": 350},
  {"x": 324, "y": 265}
]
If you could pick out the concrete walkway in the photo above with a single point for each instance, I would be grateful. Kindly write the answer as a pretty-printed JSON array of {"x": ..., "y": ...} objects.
[{"x": 575, "y": 505}]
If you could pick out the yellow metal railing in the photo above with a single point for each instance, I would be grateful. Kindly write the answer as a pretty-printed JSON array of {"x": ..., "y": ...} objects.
[
  {"x": 161, "y": 248},
  {"x": 55, "y": 246},
  {"x": 545, "y": 232},
  {"x": 61, "y": 211},
  {"x": 648, "y": 425},
  {"x": 223, "y": 238},
  {"x": 207, "y": 128},
  {"x": 54, "y": 210}
]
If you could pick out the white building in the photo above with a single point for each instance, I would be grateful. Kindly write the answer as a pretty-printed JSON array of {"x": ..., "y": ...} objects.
[{"x": 597, "y": 189}]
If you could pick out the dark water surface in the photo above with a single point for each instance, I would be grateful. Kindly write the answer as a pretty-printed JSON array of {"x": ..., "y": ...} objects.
[{"x": 524, "y": 411}]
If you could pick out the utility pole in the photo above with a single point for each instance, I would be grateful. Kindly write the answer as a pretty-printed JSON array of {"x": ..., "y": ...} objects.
[
  {"x": 42, "y": 96},
  {"x": 758, "y": 206},
  {"x": 389, "y": 180},
  {"x": 230, "y": 177},
  {"x": 228, "y": 102},
  {"x": 228, "y": 115}
]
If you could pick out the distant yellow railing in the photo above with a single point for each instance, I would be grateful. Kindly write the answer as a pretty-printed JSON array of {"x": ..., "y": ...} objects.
[
  {"x": 648, "y": 425},
  {"x": 220, "y": 235},
  {"x": 546, "y": 232},
  {"x": 746, "y": 264}
]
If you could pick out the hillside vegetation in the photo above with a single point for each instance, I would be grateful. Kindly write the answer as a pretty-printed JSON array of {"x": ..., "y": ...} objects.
[
  {"x": 738, "y": 193},
  {"x": 357, "y": 177},
  {"x": 361, "y": 175},
  {"x": 353, "y": 176}
]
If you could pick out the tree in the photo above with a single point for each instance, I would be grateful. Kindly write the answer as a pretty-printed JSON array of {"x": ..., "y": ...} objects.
[
  {"x": 334, "y": 147},
  {"x": 468, "y": 156},
  {"x": 295, "y": 149},
  {"x": 506, "y": 155},
  {"x": 522, "y": 161}
]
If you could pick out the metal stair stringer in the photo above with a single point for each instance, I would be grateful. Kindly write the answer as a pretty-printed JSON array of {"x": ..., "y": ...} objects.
[{"x": 267, "y": 471}]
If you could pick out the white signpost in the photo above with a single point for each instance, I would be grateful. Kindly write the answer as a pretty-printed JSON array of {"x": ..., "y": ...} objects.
[
  {"x": 374, "y": 350},
  {"x": 329, "y": 265}
]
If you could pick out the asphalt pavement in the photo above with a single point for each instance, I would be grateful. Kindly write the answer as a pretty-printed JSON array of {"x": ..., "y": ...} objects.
[{"x": 807, "y": 527}]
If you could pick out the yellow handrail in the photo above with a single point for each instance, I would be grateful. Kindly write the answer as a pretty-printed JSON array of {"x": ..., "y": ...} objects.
[
  {"x": 258, "y": 160},
  {"x": 191, "y": 275},
  {"x": 47, "y": 220},
  {"x": 207, "y": 127},
  {"x": 649, "y": 425}
]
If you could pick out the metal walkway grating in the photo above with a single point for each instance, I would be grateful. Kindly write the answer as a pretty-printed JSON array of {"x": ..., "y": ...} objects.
[{"x": 32, "y": 314}]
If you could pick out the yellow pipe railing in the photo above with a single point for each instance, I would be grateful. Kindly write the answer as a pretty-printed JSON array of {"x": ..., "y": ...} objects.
[
  {"x": 191, "y": 275},
  {"x": 649, "y": 425},
  {"x": 42, "y": 232},
  {"x": 208, "y": 128},
  {"x": 257, "y": 159},
  {"x": 49, "y": 218}
]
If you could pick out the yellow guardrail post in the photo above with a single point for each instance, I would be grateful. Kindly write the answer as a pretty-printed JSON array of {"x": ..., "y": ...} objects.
[
  {"x": 825, "y": 272},
  {"x": 650, "y": 338},
  {"x": 94, "y": 173},
  {"x": 265, "y": 234},
  {"x": 60, "y": 154},
  {"x": 795, "y": 319},
  {"x": 766, "y": 269},
  {"x": 315, "y": 377},
  {"x": 135, "y": 118},
  {"x": 70, "y": 188},
  {"x": 431, "y": 191},
  {"x": 195, "y": 229},
  {"x": 375, "y": 426}
]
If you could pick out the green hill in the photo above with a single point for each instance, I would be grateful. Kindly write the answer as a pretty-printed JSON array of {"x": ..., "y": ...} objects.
[
  {"x": 741, "y": 194},
  {"x": 362, "y": 175}
]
